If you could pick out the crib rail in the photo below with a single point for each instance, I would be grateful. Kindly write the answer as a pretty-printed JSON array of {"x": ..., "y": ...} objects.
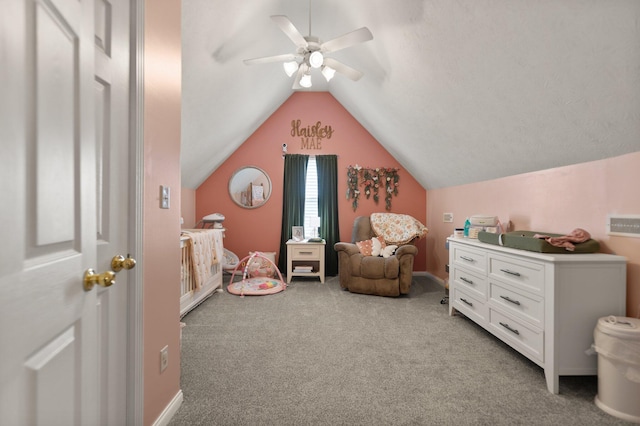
[
  {"x": 190, "y": 295},
  {"x": 187, "y": 279}
]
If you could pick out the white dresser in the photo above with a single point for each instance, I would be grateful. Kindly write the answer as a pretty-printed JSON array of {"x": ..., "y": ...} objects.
[{"x": 545, "y": 306}]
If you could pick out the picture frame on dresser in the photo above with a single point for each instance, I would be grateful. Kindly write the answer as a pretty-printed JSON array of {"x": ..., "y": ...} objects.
[{"x": 297, "y": 233}]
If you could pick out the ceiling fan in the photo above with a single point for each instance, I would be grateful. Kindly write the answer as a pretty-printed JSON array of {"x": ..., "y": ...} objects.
[{"x": 311, "y": 53}]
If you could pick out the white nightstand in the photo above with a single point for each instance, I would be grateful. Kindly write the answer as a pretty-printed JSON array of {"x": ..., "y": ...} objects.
[{"x": 305, "y": 253}]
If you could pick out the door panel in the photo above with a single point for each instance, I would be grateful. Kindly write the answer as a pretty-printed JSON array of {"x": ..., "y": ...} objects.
[
  {"x": 51, "y": 393},
  {"x": 57, "y": 80},
  {"x": 64, "y": 117},
  {"x": 111, "y": 98},
  {"x": 48, "y": 322}
]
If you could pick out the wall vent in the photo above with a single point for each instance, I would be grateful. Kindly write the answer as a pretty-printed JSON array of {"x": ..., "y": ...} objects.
[{"x": 624, "y": 225}]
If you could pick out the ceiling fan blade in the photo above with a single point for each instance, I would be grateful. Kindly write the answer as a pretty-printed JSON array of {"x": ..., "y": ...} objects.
[
  {"x": 353, "y": 74},
  {"x": 290, "y": 30},
  {"x": 267, "y": 59},
  {"x": 349, "y": 39}
]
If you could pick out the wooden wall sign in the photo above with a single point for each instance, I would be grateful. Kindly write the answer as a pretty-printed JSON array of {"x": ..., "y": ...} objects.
[{"x": 311, "y": 136}]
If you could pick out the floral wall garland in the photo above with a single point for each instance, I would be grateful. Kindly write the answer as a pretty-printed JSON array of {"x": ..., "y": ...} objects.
[{"x": 372, "y": 180}]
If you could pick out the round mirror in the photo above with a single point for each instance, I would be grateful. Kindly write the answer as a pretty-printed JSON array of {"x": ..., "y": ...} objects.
[{"x": 250, "y": 187}]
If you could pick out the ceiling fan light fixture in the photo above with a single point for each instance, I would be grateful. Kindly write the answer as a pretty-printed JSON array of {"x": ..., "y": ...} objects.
[
  {"x": 305, "y": 81},
  {"x": 290, "y": 67},
  {"x": 328, "y": 73},
  {"x": 316, "y": 59}
]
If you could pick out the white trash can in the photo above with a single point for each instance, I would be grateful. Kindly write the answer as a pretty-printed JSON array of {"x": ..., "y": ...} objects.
[{"x": 617, "y": 342}]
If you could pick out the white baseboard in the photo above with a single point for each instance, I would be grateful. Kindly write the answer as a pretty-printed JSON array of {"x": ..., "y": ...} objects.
[{"x": 170, "y": 410}]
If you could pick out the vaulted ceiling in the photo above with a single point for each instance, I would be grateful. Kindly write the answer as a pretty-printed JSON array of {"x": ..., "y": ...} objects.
[{"x": 457, "y": 91}]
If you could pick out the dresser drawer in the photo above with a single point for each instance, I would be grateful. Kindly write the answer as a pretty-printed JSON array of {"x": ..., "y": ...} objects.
[
  {"x": 469, "y": 305},
  {"x": 526, "y": 275},
  {"x": 310, "y": 252},
  {"x": 527, "y": 307},
  {"x": 524, "y": 338},
  {"x": 471, "y": 282},
  {"x": 470, "y": 258}
]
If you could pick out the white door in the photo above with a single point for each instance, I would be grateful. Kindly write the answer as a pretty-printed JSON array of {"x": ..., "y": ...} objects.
[
  {"x": 113, "y": 152},
  {"x": 64, "y": 209}
]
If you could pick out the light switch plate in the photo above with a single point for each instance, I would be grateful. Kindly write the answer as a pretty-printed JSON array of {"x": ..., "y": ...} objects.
[
  {"x": 164, "y": 358},
  {"x": 447, "y": 217},
  {"x": 165, "y": 197}
]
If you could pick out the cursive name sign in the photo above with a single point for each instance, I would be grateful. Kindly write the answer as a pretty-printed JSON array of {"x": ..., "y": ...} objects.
[{"x": 310, "y": 136}]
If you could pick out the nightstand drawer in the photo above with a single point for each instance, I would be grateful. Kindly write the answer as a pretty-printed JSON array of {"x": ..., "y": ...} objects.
[{"x": 311, "y": 252}]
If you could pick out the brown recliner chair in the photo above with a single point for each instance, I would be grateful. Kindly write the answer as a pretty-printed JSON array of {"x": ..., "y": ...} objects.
[{"x": 380, "y": 276}]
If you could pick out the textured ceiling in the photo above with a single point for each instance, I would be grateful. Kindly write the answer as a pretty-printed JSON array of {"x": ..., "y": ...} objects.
[{"x": 457, "y": 91}]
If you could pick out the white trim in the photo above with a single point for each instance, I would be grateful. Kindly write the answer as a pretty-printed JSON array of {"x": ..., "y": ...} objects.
[
  {"x": 170, "y": 410},
  {"x": 135, "y": 371}
]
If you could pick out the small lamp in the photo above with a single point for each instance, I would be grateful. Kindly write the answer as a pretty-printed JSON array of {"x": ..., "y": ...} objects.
[{"x": 315, "y": 224}]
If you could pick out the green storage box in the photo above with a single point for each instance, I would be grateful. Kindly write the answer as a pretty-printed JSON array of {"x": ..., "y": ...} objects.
[{"x": 523, "y": 240}]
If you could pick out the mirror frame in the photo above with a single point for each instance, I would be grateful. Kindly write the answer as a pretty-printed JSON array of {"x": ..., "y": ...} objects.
[{"x": 233, "y": 185}]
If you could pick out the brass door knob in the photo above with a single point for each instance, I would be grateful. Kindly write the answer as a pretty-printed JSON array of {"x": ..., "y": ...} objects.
[
  {"x": 119, "y": 262},
  {"x": 105, "y": 279}
]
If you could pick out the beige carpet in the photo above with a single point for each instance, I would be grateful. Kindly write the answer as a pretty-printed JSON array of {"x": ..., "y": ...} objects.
[{"x": 317, "y": 355}]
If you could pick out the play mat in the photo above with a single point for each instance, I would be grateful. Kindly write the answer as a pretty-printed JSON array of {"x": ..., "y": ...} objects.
[{"x": 255, "y": 285}]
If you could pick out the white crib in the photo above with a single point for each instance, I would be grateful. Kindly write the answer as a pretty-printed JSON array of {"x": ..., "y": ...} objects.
[{"x": 190, "y": 295}]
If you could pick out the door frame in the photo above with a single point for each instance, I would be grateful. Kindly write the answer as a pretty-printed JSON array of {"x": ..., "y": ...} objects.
[{"x": 135, "y": 342}]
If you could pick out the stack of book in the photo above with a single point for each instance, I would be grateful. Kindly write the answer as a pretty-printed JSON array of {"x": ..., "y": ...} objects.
[{"x": 303, "y": 268}]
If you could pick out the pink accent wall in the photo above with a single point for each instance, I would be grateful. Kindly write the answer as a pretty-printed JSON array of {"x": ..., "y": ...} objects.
[
  {"x": 161, "y": 227},
  {"x": 259, "y": 229},
  {"x": 555, "y": 200}
]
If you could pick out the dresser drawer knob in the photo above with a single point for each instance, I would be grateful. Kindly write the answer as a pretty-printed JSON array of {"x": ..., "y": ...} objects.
[
  {"x": 466, "y": 280},
  {"x": 508, "y": 299},
  {"x": 466, "y": 301},
  {"x": 506, "y": 271},
  {"x": 468, "y": 259},
  {"x": 513, "y": 330}
]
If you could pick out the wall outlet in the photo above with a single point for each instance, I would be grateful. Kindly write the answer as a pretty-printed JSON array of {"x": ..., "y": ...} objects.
[
  {"x": 164, "y": 358},
  {"x": 447, "y": 217}
]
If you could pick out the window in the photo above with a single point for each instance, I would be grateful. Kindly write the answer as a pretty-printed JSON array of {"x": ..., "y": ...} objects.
[{"x": 311, "y": 199}]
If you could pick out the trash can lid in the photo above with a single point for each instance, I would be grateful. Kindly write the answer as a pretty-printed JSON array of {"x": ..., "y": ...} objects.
[{"x": 622, "y": 327}]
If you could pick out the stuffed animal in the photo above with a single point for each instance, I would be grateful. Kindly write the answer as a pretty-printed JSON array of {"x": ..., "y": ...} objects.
[
  {"x": 376, "y": 247},
  {"x": 388, "y": 251}
]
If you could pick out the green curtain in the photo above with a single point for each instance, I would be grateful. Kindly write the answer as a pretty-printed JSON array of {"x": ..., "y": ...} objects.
[
  {"x": 328, "y": 208},
  {"x": 295, "y": 175}
]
